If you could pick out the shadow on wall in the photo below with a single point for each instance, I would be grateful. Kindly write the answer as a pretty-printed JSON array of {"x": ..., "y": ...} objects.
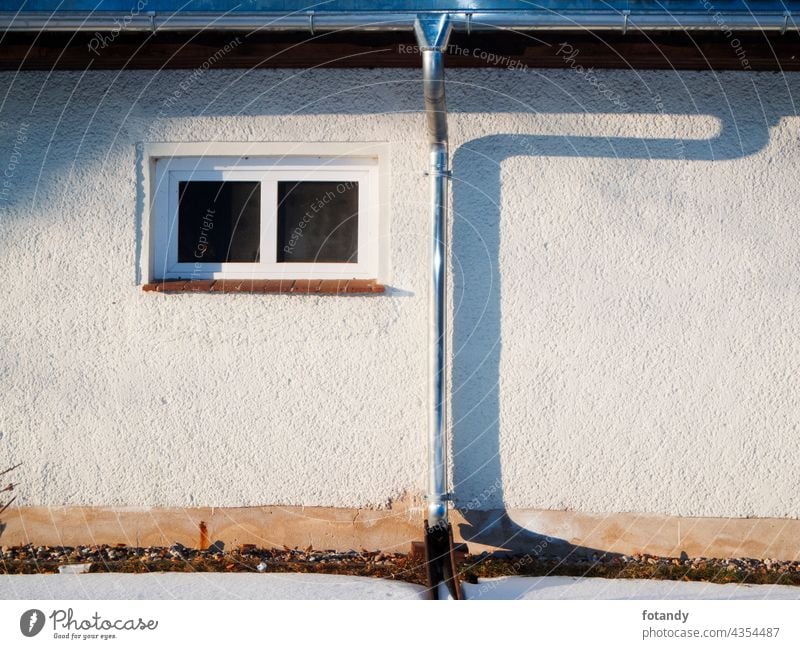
[{"x": 745, "y": 112}]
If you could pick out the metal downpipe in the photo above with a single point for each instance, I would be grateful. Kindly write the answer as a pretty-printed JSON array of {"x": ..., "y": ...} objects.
[
  {"x": 437, "y": 344},
  {"x": 432, "y": 35}
]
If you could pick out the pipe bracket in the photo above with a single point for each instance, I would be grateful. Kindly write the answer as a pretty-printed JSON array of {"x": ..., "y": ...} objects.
[
  {"x": 447, "y": 497},
  {"x": 444, "y": 173}
]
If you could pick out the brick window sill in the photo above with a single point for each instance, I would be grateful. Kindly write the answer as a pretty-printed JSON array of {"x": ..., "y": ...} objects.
[{"x": 272, "y": 286}]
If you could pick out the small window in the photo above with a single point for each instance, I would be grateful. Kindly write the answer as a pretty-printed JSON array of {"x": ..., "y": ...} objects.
[{"x": 241, "y": 218}]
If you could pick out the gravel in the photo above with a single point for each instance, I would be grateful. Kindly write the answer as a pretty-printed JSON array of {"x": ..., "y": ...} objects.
[{"x": 30, "y": 559}]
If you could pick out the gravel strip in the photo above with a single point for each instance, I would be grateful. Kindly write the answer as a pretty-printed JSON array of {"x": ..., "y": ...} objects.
[{"x": 31, "y": 559}]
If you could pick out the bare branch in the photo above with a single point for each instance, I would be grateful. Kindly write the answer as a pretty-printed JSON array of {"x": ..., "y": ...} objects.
[
  {"x": 8, "y": 504},
  {"x": 11, "y": 469}
]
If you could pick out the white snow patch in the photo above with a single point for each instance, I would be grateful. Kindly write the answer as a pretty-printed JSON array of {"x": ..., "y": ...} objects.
[
  {"x": 594, "y": 588},
  {"x": 171, "y": 585},
  {"x": 294, "y": 586}
]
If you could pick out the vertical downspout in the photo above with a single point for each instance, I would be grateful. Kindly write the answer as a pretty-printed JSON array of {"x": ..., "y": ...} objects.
[{"x": 432, "y": 34}]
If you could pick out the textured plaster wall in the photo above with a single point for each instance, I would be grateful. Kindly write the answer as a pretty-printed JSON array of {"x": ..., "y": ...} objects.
[{"x": 625, "y": 299}]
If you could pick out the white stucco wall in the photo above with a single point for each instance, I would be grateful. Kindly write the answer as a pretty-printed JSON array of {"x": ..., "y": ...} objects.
[{"x": 625, "y": 319}]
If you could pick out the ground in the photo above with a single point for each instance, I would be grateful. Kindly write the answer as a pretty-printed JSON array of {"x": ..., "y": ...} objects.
[{"x": 292, "y": 586}]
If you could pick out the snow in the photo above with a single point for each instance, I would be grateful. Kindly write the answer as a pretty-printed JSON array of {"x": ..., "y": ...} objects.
[
  {"x": 172, "y": 585},
  {"x": 583, "y": 588},
  {"x": 293, "y": 586}
]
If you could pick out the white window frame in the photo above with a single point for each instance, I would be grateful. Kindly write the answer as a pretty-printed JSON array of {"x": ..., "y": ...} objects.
[{"x": 182, "y": 162}]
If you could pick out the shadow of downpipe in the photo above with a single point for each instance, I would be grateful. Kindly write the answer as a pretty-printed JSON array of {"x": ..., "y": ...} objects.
[{"x": 477, "y": 336}]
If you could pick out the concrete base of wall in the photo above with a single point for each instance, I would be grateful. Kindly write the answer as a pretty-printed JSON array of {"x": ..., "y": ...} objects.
[{"x": 393, "y": 530}]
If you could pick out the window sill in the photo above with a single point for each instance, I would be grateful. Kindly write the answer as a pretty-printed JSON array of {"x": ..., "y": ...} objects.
[{"x": 292, "y": 286}]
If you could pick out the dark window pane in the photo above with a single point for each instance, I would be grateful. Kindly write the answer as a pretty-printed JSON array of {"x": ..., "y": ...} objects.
[
  {"x": 318, "y": 222},
  {"x": 219, "y": 221}
]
